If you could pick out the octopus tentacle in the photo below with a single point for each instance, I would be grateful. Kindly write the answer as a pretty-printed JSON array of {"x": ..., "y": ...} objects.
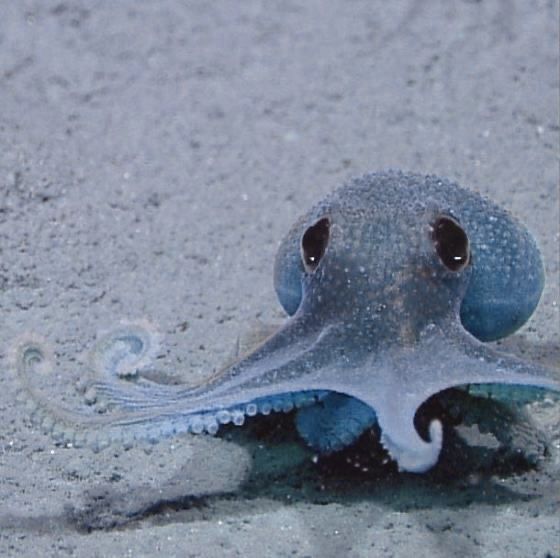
[
  {"x": 151, "y": 411},
  {"x": 406, "y": 446},
  {"x": 124, "y": 350},
  {"x": 446, "y": 361},
  {"x": 118, "y": 360},
  {"x": 483, "y": 371},
  {"x": 335, "y": 422}
]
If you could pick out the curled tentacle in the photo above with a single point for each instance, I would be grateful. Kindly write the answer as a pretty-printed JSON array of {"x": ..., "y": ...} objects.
[
  {"x": 98, "y": 431},
  {"x": 145, "y": 410},
  {"x": 124, "y": 350},
  {"x": 117, "y": 360},
  {"x": 408, "y": 449}
]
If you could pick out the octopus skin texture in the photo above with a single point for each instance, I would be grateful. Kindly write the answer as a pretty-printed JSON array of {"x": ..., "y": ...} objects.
[{"x": 392, "y": 284}]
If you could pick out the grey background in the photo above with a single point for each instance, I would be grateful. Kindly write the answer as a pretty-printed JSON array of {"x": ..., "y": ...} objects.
[{"x": 152, "y": 155}]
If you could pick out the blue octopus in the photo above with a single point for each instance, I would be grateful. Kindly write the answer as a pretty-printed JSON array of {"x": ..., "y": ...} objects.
[{"x": 392, "y": 283}]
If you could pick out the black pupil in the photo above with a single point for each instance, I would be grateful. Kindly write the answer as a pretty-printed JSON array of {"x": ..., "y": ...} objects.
[
  {"x": 314, "y": 243},
  {"x": 452, "y": 243}
]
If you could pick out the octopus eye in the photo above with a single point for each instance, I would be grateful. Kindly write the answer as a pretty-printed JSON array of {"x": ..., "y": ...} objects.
[
  {"x": 314, "y": 243},
  {"x": 451, "y": 243}
]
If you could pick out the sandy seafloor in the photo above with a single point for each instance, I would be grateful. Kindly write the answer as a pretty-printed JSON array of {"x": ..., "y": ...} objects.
[{"x": 152, "y": 155}]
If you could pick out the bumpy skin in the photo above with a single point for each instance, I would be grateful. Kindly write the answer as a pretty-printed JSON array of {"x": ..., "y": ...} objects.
[
  {"x": 379, "y": 324},
  {"x": 507, "y": 276},
  {"x": 507, "y": 279}
]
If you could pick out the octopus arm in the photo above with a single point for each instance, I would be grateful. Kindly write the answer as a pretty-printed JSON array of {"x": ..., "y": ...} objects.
[
  {"x": 396, "y": 382},
  {"x": 267, "y": 380}
]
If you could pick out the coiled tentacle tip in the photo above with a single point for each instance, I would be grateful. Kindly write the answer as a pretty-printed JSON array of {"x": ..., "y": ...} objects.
[
  {"x": 30, "y": 353},
  {"x": 123, "y": 350},
  {"x": 416, "y": 456}
]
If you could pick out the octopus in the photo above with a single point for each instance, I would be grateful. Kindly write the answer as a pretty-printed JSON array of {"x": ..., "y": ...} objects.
[{"x": 392, "y": 285}]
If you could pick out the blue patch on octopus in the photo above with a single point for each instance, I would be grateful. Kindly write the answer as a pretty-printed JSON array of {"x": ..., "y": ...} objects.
[{"x": 392, "y": 284}]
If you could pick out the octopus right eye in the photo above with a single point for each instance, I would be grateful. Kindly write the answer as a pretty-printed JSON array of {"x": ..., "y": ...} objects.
[
  {"x": 314, "y": 243},
  {"x": 451, "y": 243}
]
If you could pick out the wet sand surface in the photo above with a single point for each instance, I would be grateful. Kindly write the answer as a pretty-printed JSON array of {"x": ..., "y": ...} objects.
[{"x": 152, "y": 156}]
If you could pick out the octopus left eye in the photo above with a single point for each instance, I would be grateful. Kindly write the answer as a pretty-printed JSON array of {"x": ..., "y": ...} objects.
[
  {"x": 314, "y": 243},
  {"x": 451, "y": 243}
]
